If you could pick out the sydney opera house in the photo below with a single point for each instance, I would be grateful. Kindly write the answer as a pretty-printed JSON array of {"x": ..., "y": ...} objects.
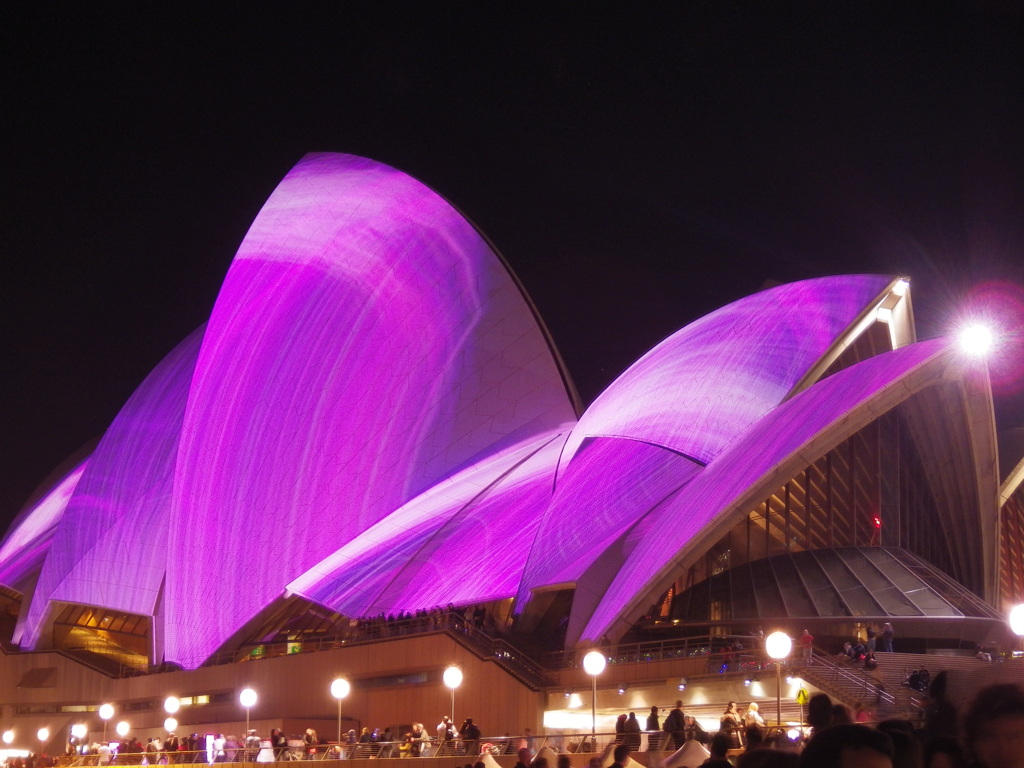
[{"x": 375, "y": 421}]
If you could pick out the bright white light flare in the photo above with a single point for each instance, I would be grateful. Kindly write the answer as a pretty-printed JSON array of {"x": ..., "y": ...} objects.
[
  {"x": 340, "y": 688},
  {"x": 1017, "y": 620},
  {"x": 594, "y": 663},
  {"x": 976, "y": 339},
  {"x": 778, "y": 645},
  {"x": 453, "y": 677}
]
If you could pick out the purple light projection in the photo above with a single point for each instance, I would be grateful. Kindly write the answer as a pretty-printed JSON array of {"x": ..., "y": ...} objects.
[
  {"x": 27, "y": 543},
  {"x": 110, "y": 548},
  {"x": 480, "y": 554},
  {"x": 374, "y": 419},
  {"x": 365, "y": 344},
  {"x": 800, "y": 427},
  {"x": 606, "y": 489},
  {"x": 368, "y": 574},
  {"x": 701, "y": 387}
]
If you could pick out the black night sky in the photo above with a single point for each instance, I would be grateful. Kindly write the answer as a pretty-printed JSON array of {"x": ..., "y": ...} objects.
[{"x": 636, "y": 168}]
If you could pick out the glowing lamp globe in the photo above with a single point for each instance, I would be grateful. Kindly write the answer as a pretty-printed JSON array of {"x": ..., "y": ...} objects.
[
  {"x": 43, "y": 734},
  {"x": 8, "y": 737},
  {"x": 106, "y": 711},
  {"x": 340, "y": 688},
  {"x": 171, "y": 705},
  {"x": 778, "y": 645},
  {"x": 123, "y": 728},
  {"x": 247, "y": 698},
  {"x": 170, "y": 724},
  {"x": 976, "y": 339},
  {"x": 78, "y": 730},
  {"x": 1017, "y": 620},
  {"x": 452, "y": 677},
  {"x": 594, "y": 663}
]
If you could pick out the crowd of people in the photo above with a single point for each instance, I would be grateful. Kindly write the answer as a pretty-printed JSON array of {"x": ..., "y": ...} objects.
[
  {"x": 988, "y": 734},
  {"x": 170, "y": 750},
  {"x": 445, "y": 739},
  {"x": 30, "y": 760},
  {"x": 991, "y": 736}
]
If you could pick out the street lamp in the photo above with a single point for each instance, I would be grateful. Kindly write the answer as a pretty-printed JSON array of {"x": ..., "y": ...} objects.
[
  {"x": 452, "y": 679},
  {"x": 43, "y": 734},
  {"x": 171, "y": 705},
  {"x": 170, "y": 725},
  {"x": 594, "y": 664},
  {"x": 340, "y": 688},
  {"x": 247, "y": 698},
  {"x": 8, "y": 737},
  {"x": 778, "y": 645},
  {"x": 78, "y": 733},
  {"x": 106, "y": 712},
  {"x": 1017, "y": 621},
  {"x": 122, "y": 728}
]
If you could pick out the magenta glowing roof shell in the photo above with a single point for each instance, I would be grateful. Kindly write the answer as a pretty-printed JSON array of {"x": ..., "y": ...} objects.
[
  {"x": 27, "y": 543},
  {"x": 366, "y": 343},
  {"x": 111, "y": 546},
  {"x": 375, "y": 419},
  {"x": 678, "y": 406},
  {"x": 701, "y": 387},
  {"x": 802, "y": 428},
  {"x": 427, "y": 552}
]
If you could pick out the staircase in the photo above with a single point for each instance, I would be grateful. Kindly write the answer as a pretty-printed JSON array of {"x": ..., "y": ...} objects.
[{"x": 850, "y": 683}]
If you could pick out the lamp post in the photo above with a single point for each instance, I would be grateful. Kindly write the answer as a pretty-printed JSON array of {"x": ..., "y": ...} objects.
[
  {"x": 340, "y": 688},
  {"x": 594, "y": 664},
  {"x": 106, "y": 712},
  {"x": 778, "y": 645},
  {"x": 78, "y": 733},
  {"x": 247, "y": 698},
  {"x": 1017, "y": 622},
  {"x": 452, "y": 679}
]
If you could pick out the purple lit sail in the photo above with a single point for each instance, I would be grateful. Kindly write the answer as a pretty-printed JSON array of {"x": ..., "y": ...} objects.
[
  {"x": 110, "y": 549},
  {"x": 480, "y": 554},
  {"x": 375, "y": 420},
  {"x": 701, "y": 387},
  {"x": 607, "y": 489},
  {"x": 692, "y": 395},
  {"x": 803, "y": 427},
  {"x": 27, "y": 543},
  {"x": 370, "y": 573},
  {"x": 366, "y": 343}
]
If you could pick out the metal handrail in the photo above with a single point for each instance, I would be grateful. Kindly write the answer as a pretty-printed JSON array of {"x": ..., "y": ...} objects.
[
  {"x": 657, "y": 650},
  {"x": 366, "y": 631}
]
